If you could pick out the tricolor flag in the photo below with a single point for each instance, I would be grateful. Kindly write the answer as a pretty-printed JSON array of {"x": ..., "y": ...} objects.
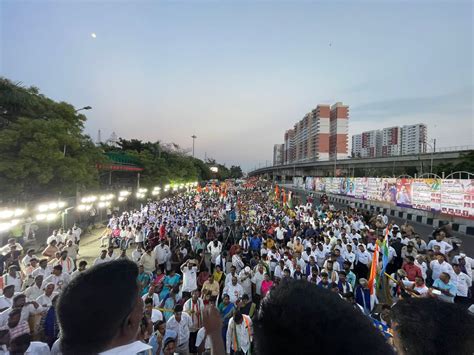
[
  {"x": 373, "y": 275},
  {"x": 290, "y": 202},
  {"x": 284, "y": 197},
  {"x": 277, "y": 193}
]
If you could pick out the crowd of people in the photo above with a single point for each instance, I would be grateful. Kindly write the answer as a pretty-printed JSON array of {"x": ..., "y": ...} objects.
[{"x": 232, "y": 269}]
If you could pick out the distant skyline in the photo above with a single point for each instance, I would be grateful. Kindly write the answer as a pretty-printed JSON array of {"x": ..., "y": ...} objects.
[{"x": 237, "y": 74}]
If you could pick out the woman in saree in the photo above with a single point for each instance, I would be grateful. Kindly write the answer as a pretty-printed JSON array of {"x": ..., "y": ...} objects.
[
  {"x": 144, "y": 279},
  {"x": 226, "y": 309},
  {"x": 171, "y": 280}
]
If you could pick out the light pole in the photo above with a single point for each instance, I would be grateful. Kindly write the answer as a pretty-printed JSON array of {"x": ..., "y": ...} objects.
[
  {"x": 193, "y": 137},
  {"x": 84, "y": 108},
  {"x": 433, "y": 150},
  {"x": 76, "y": 111}
]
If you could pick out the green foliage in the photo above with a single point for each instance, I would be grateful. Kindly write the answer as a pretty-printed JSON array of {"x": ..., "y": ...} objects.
[
  {"x": 236, "y": 172},
  {"x": 42, "y": 146}
]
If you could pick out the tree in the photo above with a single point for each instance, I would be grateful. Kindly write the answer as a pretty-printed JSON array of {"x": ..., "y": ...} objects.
[
  {"x": 43, "y": 149},
  {"x": 235, "y": 172}
]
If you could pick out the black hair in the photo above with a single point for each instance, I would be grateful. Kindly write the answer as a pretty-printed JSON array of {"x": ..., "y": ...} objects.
[
  {"x": 86, "y": 300},
  {"x": 279, "y": 324},
  {"x": 82, "y": 262},
  {"x": 148, "y": 300},
  {"x": 441, "y": 320},
  {"x": 178, "y": 308},
  {"x": 238, "y": 317}
]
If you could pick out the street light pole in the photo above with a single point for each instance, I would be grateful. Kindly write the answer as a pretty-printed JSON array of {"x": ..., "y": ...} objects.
[
  {"x": 193, "y": 137},
  {"x": 76, "y": 111}
]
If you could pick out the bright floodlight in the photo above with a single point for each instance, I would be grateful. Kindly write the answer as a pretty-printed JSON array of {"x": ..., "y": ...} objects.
[
  {"x": 6, "y": 214},
  {"x": 124, "y": 193},
  {"x": 93, "y": 35},
  {"x": 41, "y": 217},
  {"x": 122, "y": 198},
  {"x": 51, "y": 216}
]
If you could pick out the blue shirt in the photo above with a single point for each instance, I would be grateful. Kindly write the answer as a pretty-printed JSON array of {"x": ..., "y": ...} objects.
[
  {"x": 449, "y": 287},
  {"x": 255, "y": 243}
]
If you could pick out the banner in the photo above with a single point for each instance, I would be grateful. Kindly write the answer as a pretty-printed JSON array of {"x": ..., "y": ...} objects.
[
  {"x": 457, "y": 197},
  {"x": 426, "y": 194},
  {"x": 360, "y": 187},
  {"x": 309, "y": 183},
  {"x": 404, "y": 192}
]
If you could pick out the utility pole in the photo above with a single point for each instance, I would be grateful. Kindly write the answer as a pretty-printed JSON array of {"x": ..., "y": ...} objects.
[{"x": 193, "y": 137}]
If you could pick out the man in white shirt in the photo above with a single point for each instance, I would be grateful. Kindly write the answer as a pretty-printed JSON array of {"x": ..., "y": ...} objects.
[
  {"x": 203, "y": 342},
  {"x": 239, "y": 334},
  {"x": 462, "y": 282},
  {"x": 102, "y": 258},
  {"x": 195, "y": 308},
  {"x": 363, "y": 260},
  {"x": 257, "y": 280},
  {"x": 237, "y": 261},
  {"x": 189, "y": 271},
  {"x": 13, "y": 278},
  {"x": 6, "y": 300},
  {"x": 66, "y": 262},
  {"x": 26, "y": 260},
  {"x": 59, "y": 278},
  {"x": 444, "y": 247},
  {"x": 234, "y": 290},
  {"x": 35, "y": 290},
  {"x": 162, "y": 253},
  {"x": 214, "y": 248},
  {"x": 280, "y": 233},
  {"x": 46, "y": 299},
  {"x": 44, "y": 269},
  {"x": 439, "y": 266},
  {"x": 180, "y": 323}
]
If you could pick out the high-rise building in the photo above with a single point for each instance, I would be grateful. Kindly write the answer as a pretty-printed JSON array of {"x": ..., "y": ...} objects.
[
  {"x": 278, "y": 154},
  {"x": 310, "y": 138},
  {"x": 369, "y": 144},
  {"x": 338, "y": 131},
  {"x": 414, "y": 139},
  {"x": 289, "y": 147},
  {"x": 356, "y": 145},
  {"x": 390, "y": 142}
]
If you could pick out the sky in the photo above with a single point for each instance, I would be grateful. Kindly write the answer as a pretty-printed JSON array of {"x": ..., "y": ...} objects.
[{"x": 237, "y": 74}]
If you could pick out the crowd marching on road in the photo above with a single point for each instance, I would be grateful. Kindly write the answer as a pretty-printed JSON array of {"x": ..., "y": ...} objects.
[{"x": 237, "y": 269}]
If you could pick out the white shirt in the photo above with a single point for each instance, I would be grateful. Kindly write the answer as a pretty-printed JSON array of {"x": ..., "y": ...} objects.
[
  {"x": 462, "y": 283},
  {"x": 129, "y": 349},
  {"x": 154, "y": 297},
  {"x": 243, "y": 334},
  {"x": 156, "y": 315},
  {"x": 438, "y": 268},
  {"x": 214, "y": 250},
  {"x": 33, "y": 292},
  {"x": 195, "y": 311},
  {"x": 60, "y": 282},
  {"x": 40, "y": 271},
  {"x": 363, "y": 257},
  {"x": 237, "y": 262},
  {"x": 46, "y": 301},
  {"x": 200, "y": 337},
  {"x": 257, "y": 279},
  {"x": 444, "y": 247},
  {"x": 181, "y": 328},
  {"x": 234, "y": 292},
  {"x": 5, "y": 302},
  {"x": 15, "y": 281},
  {"x": 189, "y": 279},
  {"x": 162, "y": 253},
  {"x": 280, "y": 233}
]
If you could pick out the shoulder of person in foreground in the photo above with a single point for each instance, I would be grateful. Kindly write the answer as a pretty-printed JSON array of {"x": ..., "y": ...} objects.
[
  {"x": 431, "y": 326},
  {"x": 299, "y": 318},
  {"x": 92, "y": 322}
]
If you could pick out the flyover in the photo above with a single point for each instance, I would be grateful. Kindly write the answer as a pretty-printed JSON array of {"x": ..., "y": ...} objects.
[{"x": 390, "y": 166}]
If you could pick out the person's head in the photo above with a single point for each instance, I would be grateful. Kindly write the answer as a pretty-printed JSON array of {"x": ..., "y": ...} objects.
[
  {"x": 79, "y": 308},
  {"x": 39, "y": 280},
  {"x": 148, "y": 305},
  {"x": 233, "y": 269},
  {"x": 103, "y": 253},
  {"x": 245, "y": 298},
  {"x": 267, "y": 277},
  {"x": 385, "y": 310},
  {"x": 64, "y": 254},
  {"x": 347, "y": 265},
  {"x": 82, "y": 265},
  {"x": 49, "y": 289},
  {"x": 440, "y": 258},
  {"x": 226, "y": 299},
  {"x": 169, "y": 346},
  {"x": 342, "y": 276},
  {"x": 234, "y": 280},
  {"x": 53, "y": 243},
  {"x": 441, "y": 321},
  {"x": 456, "y": 268},
  {"x": 12, "y": 270},
  {"x": 19, "y": 301},
  {"x": 444, "y": 276},
  {"x": 57, "y": 270},
  {"x": 110, "y": 250},
  {"x": 410, "y": 260},
  {"x": 8, "y": 291},
  {"x": 160, "y": 326},
  {"x": 14, "y": 317},
  {"x": 178, "y": 311},
  {"x": 195, "y": 295},
  {"x": 419, "y": 281},
  {"x": 238, "y": 318},
  {"x": 260, "y": 268},
  {"x": 278, "y": 325},
  {"x": 30, "y": 252}
]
